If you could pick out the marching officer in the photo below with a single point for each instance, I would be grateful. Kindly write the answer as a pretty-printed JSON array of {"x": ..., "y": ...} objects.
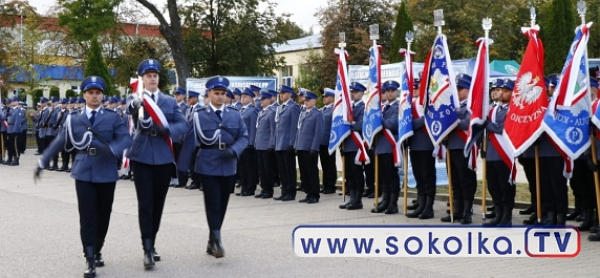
[
  {"x": 328, "y": 164},
  {"x": 308, "y": 139},
  {"x": 99, "y": 138},
  {"x": 247, "y": 169},
  {"x": 286, "y": 119},
  {"x": 264, "y": 144},
  {"x": 355, "y": 177},
  {"x": 14, "y": 121},
  {"x": 151, "y": 155},
  {"x": 221, "y": 135},
  {"x": 384, "y": 148},
  {"x": 464, "y": 179}
]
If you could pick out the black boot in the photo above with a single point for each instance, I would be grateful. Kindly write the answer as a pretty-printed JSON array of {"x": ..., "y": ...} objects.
[
  {"x": 211, "y": 242},
  {"x": 458, "y": 212},
  {"x": 356, "y": 202},
  {"x": 594, "y": 237},
  {"x": 561, "y": 219},
  {"x": 587, "y": 222},
  {"x": 531, "y": 220},
  {"x": 498, "y": 212},
  {"x": 352, "y": 195},
  {"x": 385, "y": 202},
  {"x": 98, "y": 259},
  {"x": 90, "y": 266},
  {"x": 467, "y": 213},
  {"x": 15, "y": 162},
  {"x": 550, "y": 218},
  {"x": 148, "y": 258},
  {"x": 428, "y": 211},
  {"x": 419, "y": 209},
  {"x": 506, "y": 220},
  {"x": 217, "y": 247},
  {"x": 492, "y": 208},
  {"x": 414, "y": 205},
  {"x": 9, "y": 160},
  {"x": 393, "y": 207},
  {"x": 527, "y": 211},
  {"x": 574, "y": 214}
]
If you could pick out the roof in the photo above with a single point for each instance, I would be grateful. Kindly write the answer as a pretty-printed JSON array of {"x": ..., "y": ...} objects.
[{"x": 313, "y": 41}]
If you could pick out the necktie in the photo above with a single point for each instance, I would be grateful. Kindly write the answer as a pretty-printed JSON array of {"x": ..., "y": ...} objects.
[
  {"x": 93, "y": 117},
  {"x": 152, "y": 96},
  {"x": 218, "y": 112},
  {"x": 386, "y": 107}
]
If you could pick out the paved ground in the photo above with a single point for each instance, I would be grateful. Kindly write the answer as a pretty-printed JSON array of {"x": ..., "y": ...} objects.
[{"x": 39, "y": 238}]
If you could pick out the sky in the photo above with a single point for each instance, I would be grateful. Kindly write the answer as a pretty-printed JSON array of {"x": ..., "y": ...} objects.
[{"x": 302, "y": 11}]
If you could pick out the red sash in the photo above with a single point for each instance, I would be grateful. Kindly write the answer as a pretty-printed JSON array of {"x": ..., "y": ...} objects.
[{"x": 503, "y": 148}]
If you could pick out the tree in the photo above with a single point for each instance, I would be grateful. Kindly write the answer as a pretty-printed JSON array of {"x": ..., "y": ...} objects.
[
  {"x": 403, "y": 24},
  {"x": 289, "y": 30},
  {"x": 36, "y": 95},
  {"x": 136, "y": 50},
  {"x": 557, "y": 34},
  {"x": 96, "y": 66},
  {"x": 69, "y": 93},
  {"x": 87, "y": 18},
  {"x": 310, "y": 76},
  {"x": 54, "y": 92},
  {"x": 231, "y": 37}
]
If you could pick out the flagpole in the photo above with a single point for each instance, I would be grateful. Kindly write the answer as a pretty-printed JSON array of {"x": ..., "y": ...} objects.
[
  {"x": 405, "y": 182},
  {"x": 487, "y": 26},
  {"x": 450, "y": 193},
  {"x": 409, "y": 39},
  {"x": 374, "y": 35},
  {"x": 342, "y": 44}
]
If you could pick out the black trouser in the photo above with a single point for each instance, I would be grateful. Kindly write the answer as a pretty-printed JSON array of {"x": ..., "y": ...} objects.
[
  {"x": 423, "y": 166},
  {"x": 389, "y": 180},
  {"x": 310, "y": 170},
  {"x": 95, "y": 205},
  {"x": 151, "y": 187},
  {"x": 216, "y": 191},
  {"x": 370, "y": 172},
  {"x": 328, "y": 167},
  {"x": 355, "y": 178},
  {"x": 583, "y": 184},
  {"x": 464, "y": 180},
  {"x": 22, "y": 141},
  {"x": 65, "y": 156},
  {"x": 275, "y": 167},
  {"x": 247, "y": 170},
  {"x": 13, "y": 150},
  {"x": 287, "y": 173},
  {"x": 38, "y": 142},
  {"x": 502, "y": 191},
  {"x": 553, "y": 185},
  {"x": 529, "y": 168},
  {"x": 264, "y": 172}
]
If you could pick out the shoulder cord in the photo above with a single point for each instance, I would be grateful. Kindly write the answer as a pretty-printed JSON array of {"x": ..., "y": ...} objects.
[
  {"x": 85, "y": 142},
  {"x": 199, "y": 135}
]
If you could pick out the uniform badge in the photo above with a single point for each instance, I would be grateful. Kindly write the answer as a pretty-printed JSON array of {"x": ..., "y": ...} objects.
[
  {"x": 151, "y": 62},
  {"x": 94, "y": 79}
]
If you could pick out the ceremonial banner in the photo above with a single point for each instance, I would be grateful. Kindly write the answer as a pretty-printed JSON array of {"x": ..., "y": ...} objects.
[
  {"x": 478, "y": 102},
  {"x": 136, "y": 89},
  {"x": 342, "y": 109},
  {"x": 372, "y": 122},
  {"x": 442, "y": 98},
  {"x": 405, "y": 117},
  {"x": 567, "y": 118},
  {"x": 523, "y": 124}
]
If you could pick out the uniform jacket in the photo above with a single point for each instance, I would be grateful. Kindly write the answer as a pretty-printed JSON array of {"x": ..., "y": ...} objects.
[
  {"x": 265, "y": 130},
  {"x": 23, "y": 121},
  {"x": 15, "y": 120},
  {"x": 358, "y": 110},
  {"x": 52, "y": 129},
  {"x": 43, "y": 118},
  {"x": 99, "y": 168},
  {"x": 455, "y": 142},
  {"x": 210, "y": 161},
  {"x": 249, "y": 115},
  {"x": 286, "y": 118},
  {"x": 310, "y": 130},
  {"x": 36, "y": 120},
  {"x": 154, "y": 150},
  {"x": 390, "y": 121},
  {"x": 327, "y": 112},
  {"x": 497, "y": 128}
]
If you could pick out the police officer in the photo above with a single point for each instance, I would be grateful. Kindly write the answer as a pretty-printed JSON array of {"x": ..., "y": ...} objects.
[
  {"x": 62, "y": 116},
  {"x": 51, "y": 127},
  {"x": 498, "y": 173},
  {"x": 22, "y": 137},
  {"x": 99, "y": 138},
  {"x": 42, "y": 123},
  {"x": 328, "y": 164},
  {"x": 247, "y": 169},
  {"x": 35, "y": 126},
  {"x": 272, "y": 154},
  {"x": 308, "y": 139},
  {"x": 355, "y": 178},
  {"x": 183, "y": 177},
  {"x": 384, "y": 148},
  {"x": 150, "y": 155},
  {"x": 464, "y": 179},
  {"x": 264, "y": 144},
  {"x": 256, "y": 91},
  {"x": 14, "y": 121},
  {"x": 3, "y": 128},
  {"x": 229, "y": 98},
  {"x": 237, "y": 94},
  {"x": 222, "y": 137},
  {"x": 179, "y": 94},
  {"x": 286, "y": 119}
]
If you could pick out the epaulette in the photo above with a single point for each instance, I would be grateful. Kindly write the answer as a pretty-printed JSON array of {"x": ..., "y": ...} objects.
[
  {"x": 199, "y": 108},
  {"x": 109, "y": 110},
  {"x": 74, "y": 111},
  {"x": 233, "y": 108}
]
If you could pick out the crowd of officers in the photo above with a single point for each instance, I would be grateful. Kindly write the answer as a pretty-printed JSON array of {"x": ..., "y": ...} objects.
[{"x": 256, "y": 137}]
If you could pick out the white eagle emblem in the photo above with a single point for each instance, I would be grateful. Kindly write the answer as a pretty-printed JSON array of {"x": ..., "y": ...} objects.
[
  {"x": 438, "y": 85},
  {"x": 405, "y": 105},
  {"x": 526, "y": 91}
]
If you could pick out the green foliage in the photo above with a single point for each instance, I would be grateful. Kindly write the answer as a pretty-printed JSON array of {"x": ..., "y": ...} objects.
[
  {"x": 37, "y": 94},
  {"x": 232, "y": 37},
  {"x": 557, "y": 33},
  {"x": 70, "y": 93},
  {"x": 289, "y": 30},
  {"x": 54, "y": 92},
  {"x": 134, "y": 52},
  {"x": 96, "y": 66},
  {"x": 403, "y": 24},
  {"x": 87, "y": 18},
  {"x": 310, "y": 72}
]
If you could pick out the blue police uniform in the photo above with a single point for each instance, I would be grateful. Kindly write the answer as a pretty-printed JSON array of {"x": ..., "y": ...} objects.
[
  {"x": 256, "y": 95},
  {"x": 328, "y": 164},
  {"x": 221, "y": 135},
  {"x": 22, "y": 137},
  {"x": 36, "y": 127},
  {"x": 183, "y": 176},
  {"x": 247, "y": 164},
  {"x": 286, "y": 119},
  {"x": 14, "y": 121},
  {"x": 3, "y": 127},
  {"x": 238, "y": 104},
  {"x": 264, "y": 144},
  {"x": 152, "y": 159},
  {"x": 308, "y": 140},
  {"x": 99, "y": 138}
]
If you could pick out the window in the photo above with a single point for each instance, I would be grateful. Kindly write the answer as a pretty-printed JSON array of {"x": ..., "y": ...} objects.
[{"x": 287, "y": 76}]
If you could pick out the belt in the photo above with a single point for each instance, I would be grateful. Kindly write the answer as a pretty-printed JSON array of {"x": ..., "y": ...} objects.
[
  {"x": 221, "y": 146},
  {"x": 152, "y": 132},
  {"x": 89, "y": 151}
]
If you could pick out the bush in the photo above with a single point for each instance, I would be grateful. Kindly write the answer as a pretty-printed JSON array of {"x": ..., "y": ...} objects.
[
  {"x": 69, "y": 93},
  {"x": 54, "y": 92}
]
